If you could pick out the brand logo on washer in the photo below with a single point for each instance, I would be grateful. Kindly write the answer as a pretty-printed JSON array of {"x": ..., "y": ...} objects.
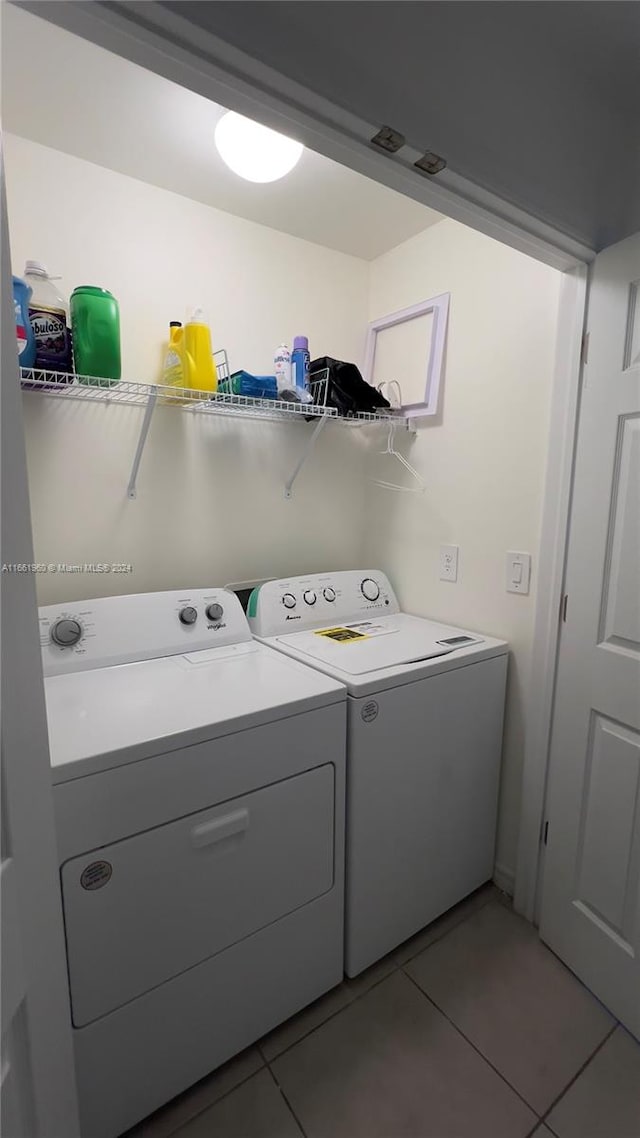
[
  {"x": 96, "y": 875},
  {"x": 370, "y": 711},
  {"x": 292, "y": 618}
]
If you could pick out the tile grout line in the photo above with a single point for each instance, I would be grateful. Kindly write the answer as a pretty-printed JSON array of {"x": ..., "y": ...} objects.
[
  {"x": 267, "y": 1062},
  {"x": 577, "y": 1075},
  {"x": 541, "y": 1117},
  {"x": 436, "y": 939},
  {"x": 214, "y": 1102},
  {"x": 333, "y": 1015},
  {"x": 288, "y": 1104},
  {"x": 473, "y": 1045},
  {"x": 396, "y": 967}
]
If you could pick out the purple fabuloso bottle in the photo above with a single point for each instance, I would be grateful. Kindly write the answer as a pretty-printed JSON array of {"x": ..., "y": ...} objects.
[{"x": 300, "y": 361}]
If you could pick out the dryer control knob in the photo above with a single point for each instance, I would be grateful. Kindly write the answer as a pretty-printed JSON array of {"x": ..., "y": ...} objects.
[
  {"x": 215, "y": 612},
  {"x": 310, "y": 597},
  {"x": 289, "y": 601},
  {"x": 369, "y": 589},
  {"x": 329, "y": 594},
  {"x": 188, "y": 615},
  {"x": 65, "y": 633}
]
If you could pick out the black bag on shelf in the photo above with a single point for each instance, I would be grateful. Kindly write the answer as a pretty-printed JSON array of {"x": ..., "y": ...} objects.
[{"x": 345, "y": 389}]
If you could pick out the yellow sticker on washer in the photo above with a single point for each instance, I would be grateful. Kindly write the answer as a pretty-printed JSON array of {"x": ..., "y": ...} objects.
[{"x": 342, "y": 635}]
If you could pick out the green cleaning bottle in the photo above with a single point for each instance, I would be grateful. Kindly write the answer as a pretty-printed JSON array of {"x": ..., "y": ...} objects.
[{"x": 95, "y": 326}]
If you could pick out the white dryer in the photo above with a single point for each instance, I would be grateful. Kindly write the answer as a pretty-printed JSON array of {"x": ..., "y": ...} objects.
[
  {"x": 424, "y": 742},
  {"x": 199, "y": 798}
]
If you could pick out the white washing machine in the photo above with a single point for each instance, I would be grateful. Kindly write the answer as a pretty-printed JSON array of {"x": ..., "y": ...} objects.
[
  {"x": 424, "y": 742},
  {"x": 199, "y": 798}
]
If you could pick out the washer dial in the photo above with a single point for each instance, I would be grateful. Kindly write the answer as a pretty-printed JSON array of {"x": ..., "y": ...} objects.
[
  {"x": 369, "y": 589},
  {"x": 310, "y": 596},
  {"x": 66, "y": 632},
  {"x": 188, "y": 615},
  {"x": 214, "y": 612},
  {"x": 329, "y": 594},
  {"x": 289, "y": 601}
]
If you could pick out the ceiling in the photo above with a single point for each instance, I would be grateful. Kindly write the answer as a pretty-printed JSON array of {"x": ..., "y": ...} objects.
[
  {"x": 85, "y": 101},
  {"x": 537, "y": 102}
]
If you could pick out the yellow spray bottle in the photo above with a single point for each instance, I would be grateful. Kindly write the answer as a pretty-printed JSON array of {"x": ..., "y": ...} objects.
[{"x": 200, "y": 370}]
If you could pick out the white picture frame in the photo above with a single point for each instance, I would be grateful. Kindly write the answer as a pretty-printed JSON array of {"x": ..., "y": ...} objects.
[{"x": 438, "y": 306}]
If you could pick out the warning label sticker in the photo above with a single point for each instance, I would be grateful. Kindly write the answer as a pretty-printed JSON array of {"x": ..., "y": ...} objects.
[{"x": 342, "y": 635}]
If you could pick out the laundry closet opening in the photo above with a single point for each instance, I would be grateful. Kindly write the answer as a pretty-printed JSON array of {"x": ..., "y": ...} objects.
[{"x": 114, "y": 181}]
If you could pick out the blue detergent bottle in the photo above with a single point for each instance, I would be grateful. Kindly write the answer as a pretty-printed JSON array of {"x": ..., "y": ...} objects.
[{"x": 24, "y": 331}]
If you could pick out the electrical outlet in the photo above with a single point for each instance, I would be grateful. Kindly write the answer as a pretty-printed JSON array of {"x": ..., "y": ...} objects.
[{"x": 448, "y": 562}]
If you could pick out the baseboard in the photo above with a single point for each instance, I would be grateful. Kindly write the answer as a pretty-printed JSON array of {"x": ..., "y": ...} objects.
[{"x": 504, "y": 878}]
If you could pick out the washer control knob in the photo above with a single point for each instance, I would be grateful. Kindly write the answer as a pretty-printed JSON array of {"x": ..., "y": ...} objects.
[
  {"x": 188, "y": 615},
  {"x": 369, "y": 589},
  {"x": 215, "y": 612},
  {"x": 289, "y": 601},
  {"x": 329, "y": 594},
  {"x": 310, "y": 597},
  {"x": 65, "y": 633}
]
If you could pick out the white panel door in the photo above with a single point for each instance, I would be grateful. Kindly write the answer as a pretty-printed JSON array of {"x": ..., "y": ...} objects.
[
  {"x": 590, "y": 913},
  {"x": 38, "y": 1098}
]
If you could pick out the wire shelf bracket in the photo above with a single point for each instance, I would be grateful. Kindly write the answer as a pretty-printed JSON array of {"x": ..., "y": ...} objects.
[
  {"x": 144, "y": 431},
  {"x": 311, "y": 442},
  {"x": 91, "y": 389}
]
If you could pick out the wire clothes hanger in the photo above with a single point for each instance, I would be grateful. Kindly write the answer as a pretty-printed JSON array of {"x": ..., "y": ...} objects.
[{"x": 390, "y": 449}]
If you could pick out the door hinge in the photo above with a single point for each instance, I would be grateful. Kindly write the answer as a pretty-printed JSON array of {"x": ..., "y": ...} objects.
[
  {"x": 563, "y": 608},
  {"x": 584, "y": 350},
  {"x": 545, "y": 833},
  {"x": 430, "y": 163},
  {"x": 389, "y": 139}
]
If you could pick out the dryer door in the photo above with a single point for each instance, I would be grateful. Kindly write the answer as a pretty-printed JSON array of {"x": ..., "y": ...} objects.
[{"x": 147, "y": 908}]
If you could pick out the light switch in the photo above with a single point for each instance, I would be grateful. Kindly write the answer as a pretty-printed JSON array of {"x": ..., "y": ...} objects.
[
  {"x": 518, "y": 572},
  {"x": 448, "y": 562}
]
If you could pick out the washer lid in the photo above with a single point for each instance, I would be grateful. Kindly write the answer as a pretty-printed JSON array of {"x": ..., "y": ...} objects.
[
  {"x": 371, "y": 645},
  {"x": 105, "y": 717},
  {"x": 413, "y": 649}
]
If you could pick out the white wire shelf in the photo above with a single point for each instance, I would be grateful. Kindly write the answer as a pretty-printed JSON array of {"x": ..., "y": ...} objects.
[
  {"x": 91, "y": 390},
  {"x": 95, "y": 390}
]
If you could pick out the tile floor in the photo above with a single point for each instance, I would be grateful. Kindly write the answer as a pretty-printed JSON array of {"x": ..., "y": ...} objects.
[{"x": 473, "y": 1029}]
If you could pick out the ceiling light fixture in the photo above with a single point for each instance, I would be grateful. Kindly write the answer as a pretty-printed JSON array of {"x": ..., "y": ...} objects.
[{"x": 254, "y": 151}]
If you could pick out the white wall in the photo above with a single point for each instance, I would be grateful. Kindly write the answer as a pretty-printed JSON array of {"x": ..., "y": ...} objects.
[
  {"x": 483, "y": 459},
  {"x": 210, "y": 504},
  {"x": 159, "y": 253}
]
